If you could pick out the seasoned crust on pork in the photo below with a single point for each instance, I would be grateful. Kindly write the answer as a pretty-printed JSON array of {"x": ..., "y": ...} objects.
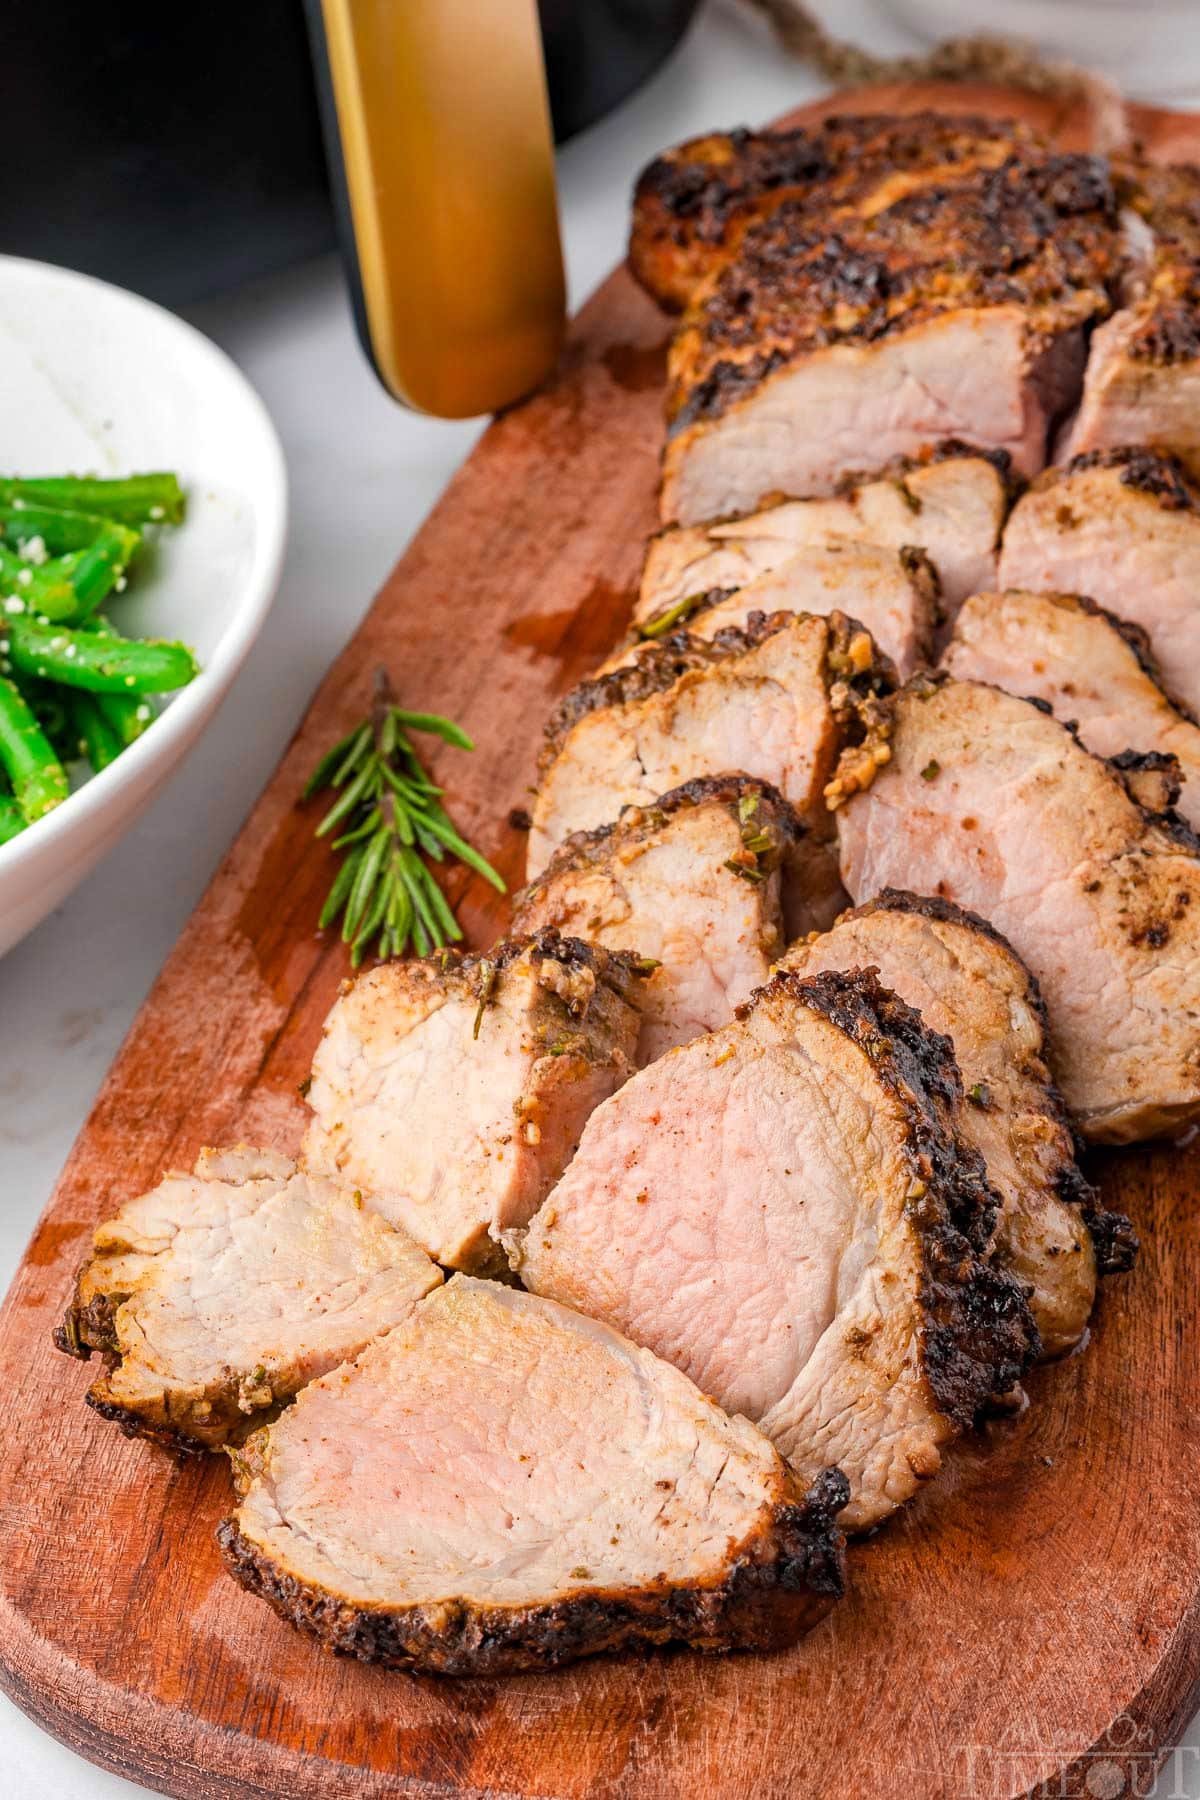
[
  {"x": 1039, "y": 237},
  {"x": 1091, "y": 668},
  {"x": 453, "y": 1089},
  {"x": 693, "y": 882},
  {"x": 991, "y": 802},
  {"x": 693, "y": 204},
  {"x": 797, "y": 700},
  {"x": 786, "y": 1210},
  {"x": 215, "y": 1297},
  {"x": 585, "y": 1497},
  {"x": 967, "y": 982},
  {"x": 1123, "y": 527}
]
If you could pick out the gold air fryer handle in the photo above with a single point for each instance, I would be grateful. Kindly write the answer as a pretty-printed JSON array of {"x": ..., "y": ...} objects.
[{"x": 447, "y": 155}]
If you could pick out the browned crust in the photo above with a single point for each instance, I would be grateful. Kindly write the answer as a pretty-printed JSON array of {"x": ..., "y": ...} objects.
[
  {"x": 693, "y": 204},
  {"x": 977, "y": 1334},
  {"x": 1114, "y": 1240},
  {"x": 861, "y": 680},
  {"x": 1156, "y": 473},
  {"x": 617, "y": 970},
  {"x": 652, "y": 669},
  {"x": 951, "y": 449},
  {"x": 778, "y": 1583},
  {"x": 1042, "y": 237},
  {"x": 585, "y": 849}
]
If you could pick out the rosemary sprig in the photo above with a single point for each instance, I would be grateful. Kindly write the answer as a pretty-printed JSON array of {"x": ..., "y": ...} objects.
[{"x": 391, "y": 817}]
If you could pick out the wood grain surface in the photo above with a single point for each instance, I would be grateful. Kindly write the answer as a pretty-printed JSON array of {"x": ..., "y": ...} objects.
[{"x": 1034, "y": 1618}]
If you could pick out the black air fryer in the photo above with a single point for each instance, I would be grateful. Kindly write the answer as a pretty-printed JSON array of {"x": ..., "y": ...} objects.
[{"x": 179, "y": 156}]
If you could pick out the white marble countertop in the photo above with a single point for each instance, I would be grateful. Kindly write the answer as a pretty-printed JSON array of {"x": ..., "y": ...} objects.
[{"x": 363, "y": 476}]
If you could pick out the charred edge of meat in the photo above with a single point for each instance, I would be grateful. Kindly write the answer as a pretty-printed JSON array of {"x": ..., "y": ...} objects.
[
  {"x": 978, "y": 1333},
  {"x": 922, "y": 573},
  {"x": 616, "y": 970},
  {"x": 1036, "y": 236},
  {"x": 1167, "y": 328},
  {"x": 89, "y": 1327},
  {"x": 1112, "y": 1234},
  {"x": 786, "y": 1575},
  {"x": 653, "y": 669},
  {"x": 862, "y": 690},
  {"x": 1157, "y": 473},
  {"x": 226, "y": 1423},
  {"x": 951, "y": 449},
  {"x": 165, "y": 1437},
  {"x": 582, "y": 849},
  {"x": 1166, "y": 779},
  {"x": 1114, "y": 1239}
]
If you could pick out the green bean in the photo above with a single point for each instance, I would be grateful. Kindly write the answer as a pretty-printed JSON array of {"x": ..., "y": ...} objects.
[
  {"x": 12, "y": 820},
  {"x": 60, "y": 532},
  {"x": 96, "y": 660},
  {"x": 95, "y": 736},
  {"x": 41, "y": 588},
  {"x": 39, "y": 781},
  {"x": 129, "y": 715},
  {"x": 131, "y": 500}
]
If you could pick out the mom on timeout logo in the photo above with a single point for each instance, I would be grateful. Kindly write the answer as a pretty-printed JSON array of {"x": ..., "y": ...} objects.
[{"x": 1125, "y": 1765}]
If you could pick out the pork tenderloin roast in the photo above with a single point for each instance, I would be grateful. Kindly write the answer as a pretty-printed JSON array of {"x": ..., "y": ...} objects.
[
  {"x": 792, "y": 699},
  {"x": 1088, "y": 666},
  {"x": 693, "y": 205},
  {"x": 786, "y": 1210},
  {"x": 951, "y": 504},
  {"x": 894, "y": 593},
  {"x": 215, "y": 1297},
  {"x": 502, "y": 1484},
  {"x": 969, "y": 984},
  {"x": 1123, "y": 527},
  {"x": 693, "y": 882},
  {"x": 991, "y": 802},
  {"x": 452, "y": 1090},
  {"x": 823, "y": 348}
]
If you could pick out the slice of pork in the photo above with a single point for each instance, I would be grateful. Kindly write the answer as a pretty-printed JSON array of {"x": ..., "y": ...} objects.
[
  {"x": 791, "y": 699},
  {"x": 990, "y": 802},
  {"x": 1088, "y": 665},
  {"x": 786, "y": 1211},
  {"x": 951, "y": 505},
  {"x": 893, "y": 593},
  {"x": 1142, "y": 384},
  {"x": 968, "y": 983},
  {"x": 453, "y": 1090},
  {"x": 693, "y": 205},
  {"x": 502, "y": 1484},
  {"x": 819, "y": 352},
  {"x": 693, "y": 881},
  {"x": 1124, "y": 528},
  {"x": 215, "y": 1297}
]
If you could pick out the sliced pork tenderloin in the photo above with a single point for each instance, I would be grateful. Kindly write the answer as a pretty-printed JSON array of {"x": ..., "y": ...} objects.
[
  {"x": 1143, "y": 373},
  {"x": 1123, "y": 527},
  {"x": 785, "y": 1210},
  {"x": 502, "y": 1484},
  {"x": 795, "y": 700},
  {"x": 453, "y": 1090},
  {"x": 894, "y": 593},
  {"x": 693, "y": 881},
  {"x": 215, "y": 1297},
  {"x": 955, "y": 313},
  {"x": 990, "y": 802},
  {"x": 968, "y": 983},
  {"x": 1089, "y": 667},
  {"x": 951, "y": 504},
  {"x": 693, "y": 205}
]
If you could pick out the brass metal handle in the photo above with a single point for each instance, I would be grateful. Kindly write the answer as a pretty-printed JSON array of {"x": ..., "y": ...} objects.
[{"x": 438, "y": 114}]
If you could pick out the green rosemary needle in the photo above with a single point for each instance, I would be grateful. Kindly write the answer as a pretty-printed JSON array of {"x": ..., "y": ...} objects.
[{"x": 389, "y": 818}]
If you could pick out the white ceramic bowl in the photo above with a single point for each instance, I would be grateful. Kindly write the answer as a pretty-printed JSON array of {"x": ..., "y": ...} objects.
[{"x": 97, "y": 380}]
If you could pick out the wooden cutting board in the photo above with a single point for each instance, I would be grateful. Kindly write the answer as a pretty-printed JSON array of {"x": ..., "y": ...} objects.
[{"x": 1033, "y": 1618}]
